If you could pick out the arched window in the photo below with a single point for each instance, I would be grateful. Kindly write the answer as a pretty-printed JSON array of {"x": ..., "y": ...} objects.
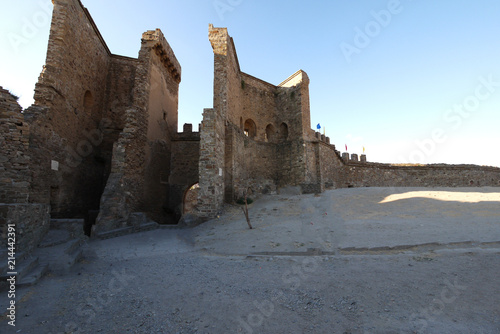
[
  {"x": 250, "y": 128},
  {"x": 283, "y": 131},
  {"x": 270, "y": 134},
  {"x": 88, "y": 102}
]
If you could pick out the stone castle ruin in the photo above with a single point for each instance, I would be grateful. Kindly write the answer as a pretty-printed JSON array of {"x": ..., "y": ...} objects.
[{"x": 100, "y": 142}]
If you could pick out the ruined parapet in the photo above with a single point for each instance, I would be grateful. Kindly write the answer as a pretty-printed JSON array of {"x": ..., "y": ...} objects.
[
  {"x": 301, "y": 79},
  {"x": 155, "y": 40},
  {"x": 73, "y": 80},
  {"x": 211, "y": 165},
  {"x": 31, "y": 220},
  {"x": 187, "y": 134},
  {"x": 140, "y": 165},
  {"x": 354, "y": 157},
  {"x": 226, "y": 67},
  {"x": 184, "y": 172},
  {"x": 15, "y": 176}
]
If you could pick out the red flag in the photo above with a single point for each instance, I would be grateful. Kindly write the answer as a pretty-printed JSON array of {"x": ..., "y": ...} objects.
[{"x": 346, "y": 147}]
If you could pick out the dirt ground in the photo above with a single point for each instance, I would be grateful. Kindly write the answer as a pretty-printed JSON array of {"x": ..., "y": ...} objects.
[{"x": 365, "y": 260}]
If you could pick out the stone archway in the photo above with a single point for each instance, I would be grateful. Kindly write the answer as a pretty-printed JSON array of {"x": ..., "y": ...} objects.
[{"x": 190, "y": 198}]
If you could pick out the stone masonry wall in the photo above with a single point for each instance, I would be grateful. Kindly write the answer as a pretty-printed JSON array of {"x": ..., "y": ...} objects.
[
  {"x": 65, "y": 119},
  {"x": 165, "y": 74},
  {"x": 380, "y": 175},
  {"x": 326, "y": 169},
  {"x": 73, "y": 82},
  {"x": 15, "y": 175},
  {"x": 142, "y": 154},
  {"x": 273, "y": 118},
  {"x": 298, "y": 104},
  {"x": 119, "y": 89},
  {"x": 31, "y": 220},
  {"x": 211, "y": 165},
  {"x": 119, "y": 98},
  {"x": 258, "y": 103},
  {"x": 70, "y": 180},
  {"x": 250, "y": 164},
  {"x": 184, "y": 169}
]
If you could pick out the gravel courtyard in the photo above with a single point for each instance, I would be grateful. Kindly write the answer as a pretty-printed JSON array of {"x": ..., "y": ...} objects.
[{"x": 364, "y": 260}]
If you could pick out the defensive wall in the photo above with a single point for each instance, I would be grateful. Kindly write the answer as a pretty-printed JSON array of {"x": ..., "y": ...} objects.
[{"x": 101, "y": 143}]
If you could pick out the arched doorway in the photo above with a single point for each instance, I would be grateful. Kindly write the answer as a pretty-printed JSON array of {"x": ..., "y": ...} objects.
[{"x": 190, "y": 199}]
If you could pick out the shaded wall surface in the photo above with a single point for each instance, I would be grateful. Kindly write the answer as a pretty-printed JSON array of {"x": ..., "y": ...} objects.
[
  {"x": 102, "y": 133},
  {"x": 19, "y": 213}
]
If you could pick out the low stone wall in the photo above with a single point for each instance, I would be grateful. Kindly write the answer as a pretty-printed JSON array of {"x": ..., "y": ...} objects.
[
  {"x": 326, "y": 169},
  {"x": 32, "y": 222},
  {"x": 381, "y": 175}
]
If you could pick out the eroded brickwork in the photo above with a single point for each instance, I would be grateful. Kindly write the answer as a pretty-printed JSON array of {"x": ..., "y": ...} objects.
[
  {"x": 31, "y": 220},
  {"x": 141, "y": 159},
  {"x": 15, "y": 177},
  {"x": 211, "y": 165},
  {"x": 184, "y": 171}
]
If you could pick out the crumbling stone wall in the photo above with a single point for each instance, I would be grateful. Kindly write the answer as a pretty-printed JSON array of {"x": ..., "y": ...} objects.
[
  {"x": 15, "y": 179},
  {"x": 326, "y": 169},
  {"x": 73, "y": 82},
  {"x": 250, "y": 164},
  {"x": 184, "y": 171},
  {"x": 66, "y": 117},
  {"x": 119, "y": 89},
  {"x": 162, "y": 123},
  {"x": 383, "y": 175},
  {"x": 102, "y": 135},
  {"x": 211, "y": 164},
  {"x": 295, "y": 105},
  {"x": 264, "y": 124},
  {"x": 31, "y": 222},
  {"x": 16, "y": 207},
  {"x": 142, "y": 155}
]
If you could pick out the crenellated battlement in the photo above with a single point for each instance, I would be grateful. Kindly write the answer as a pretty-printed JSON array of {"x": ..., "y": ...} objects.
[{"x": 187, "y": 134}]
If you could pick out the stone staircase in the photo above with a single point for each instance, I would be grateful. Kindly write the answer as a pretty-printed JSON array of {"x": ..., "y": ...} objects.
[{"x": 59, "y": 250}]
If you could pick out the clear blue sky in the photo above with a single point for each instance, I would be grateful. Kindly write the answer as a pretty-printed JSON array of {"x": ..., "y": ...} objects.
[{"x": 421, "y": 84}]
